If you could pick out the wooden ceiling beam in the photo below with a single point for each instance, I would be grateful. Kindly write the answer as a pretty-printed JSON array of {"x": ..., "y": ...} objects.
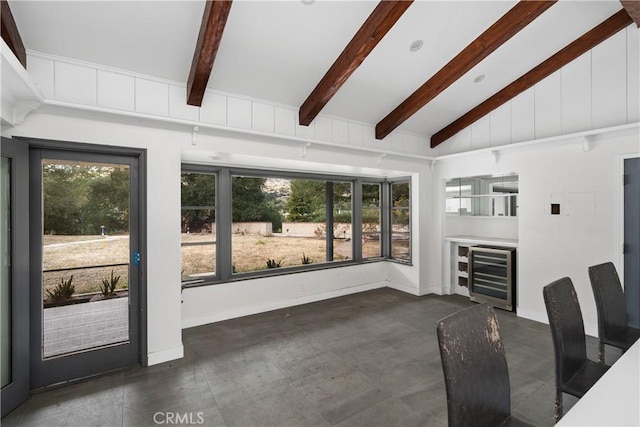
[
  {"x": 581, "y": 45},
  {"x": 214, "y": 20},
  {"x": 383, "y": 17},
  {"x": 523, "y": 13},
  {"x": 10, "y": 33},
  {"x": 633, "y": 9}
]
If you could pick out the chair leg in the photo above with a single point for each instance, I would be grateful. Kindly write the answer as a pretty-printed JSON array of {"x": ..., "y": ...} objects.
[
  {"x": 558, "y": 409},
  {"x": 601, "y": 352}
]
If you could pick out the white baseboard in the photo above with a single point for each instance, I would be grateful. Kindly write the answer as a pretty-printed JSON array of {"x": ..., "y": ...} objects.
[
  {"x": 437, "y": 290},
  {"x": 158, "y": 357},
  {"x": 533, "y": 315},
  {"x": 261, "y": 308},
  {"x": 404, "y": 288},
  {"x": 590, "y": 329}
]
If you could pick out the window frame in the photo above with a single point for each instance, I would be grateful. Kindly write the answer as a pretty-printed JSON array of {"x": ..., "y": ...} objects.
[
  {"x": 389, "y": 209},
  {"x": 381, "y": 216},
  {"x": 216, "y": 204},
  {"x": 224, "y": 220}
]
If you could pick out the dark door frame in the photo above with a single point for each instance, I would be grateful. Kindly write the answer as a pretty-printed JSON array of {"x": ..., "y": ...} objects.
[
  {"x": 17, "y": 390},
  {"x": 60, "y": 149},
  {"x": 631, "y": 238}
]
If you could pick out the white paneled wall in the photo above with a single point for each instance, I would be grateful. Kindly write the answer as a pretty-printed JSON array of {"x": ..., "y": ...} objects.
[
  {"x": 481, "y": 133},
  {"x": 500, "y": 125},
  {"x": 75, "y": 83},
  {"x": 324, "y": 129},
  {"x": 238, "y": 113},
  {"x": 116, "y": 91},
  {"x": 285, "y": 121},
  {"x": 263, "y": 117},
  {"x": 152, "y": 97},
  {"x": 609, "y": 82},
  {"x": 85, "y": 84},
  {"x": 576, "y": 93},
  {"x": 522, "y": 114},
  {"x": 214, "y": 109},
  {"x": 42, "y": 71},
  {"x": 547, "y": 116},
  {"x": 178, "y": 106},
  {"x": 600, "y": 89}
]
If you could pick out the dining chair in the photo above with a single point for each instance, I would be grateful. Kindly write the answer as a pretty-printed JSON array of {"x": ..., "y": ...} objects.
[
  {"x": 475, "y": 369},
  {"x": 612, "y": 310},
  {"x": 575, "y": 373}
]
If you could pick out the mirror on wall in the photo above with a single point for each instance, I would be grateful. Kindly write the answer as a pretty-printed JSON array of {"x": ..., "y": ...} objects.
[{"x": 483, "y": 195}]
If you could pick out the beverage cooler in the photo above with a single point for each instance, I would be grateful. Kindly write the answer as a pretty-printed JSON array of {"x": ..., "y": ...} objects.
[{"x": 492, "y": 276}]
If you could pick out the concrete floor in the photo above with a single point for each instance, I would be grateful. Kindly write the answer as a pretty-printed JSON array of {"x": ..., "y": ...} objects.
[{"x": 368, "y": 359}]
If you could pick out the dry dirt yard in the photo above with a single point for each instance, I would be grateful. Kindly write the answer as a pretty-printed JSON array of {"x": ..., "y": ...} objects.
[
  {"x": 250, "y": 253},
  {"x": 85, "y": 251}
]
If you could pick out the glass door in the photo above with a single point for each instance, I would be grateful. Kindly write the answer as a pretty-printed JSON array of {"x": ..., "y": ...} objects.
[
  {"x": 85, "y": 255},
  {"x": 14, "y": 274}
]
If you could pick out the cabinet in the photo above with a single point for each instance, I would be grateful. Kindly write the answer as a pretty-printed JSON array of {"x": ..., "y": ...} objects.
[
  {"x": 463, "y": 266},
  {"x": 492, "y": 275},
  {"x": 456, "y": 261}
]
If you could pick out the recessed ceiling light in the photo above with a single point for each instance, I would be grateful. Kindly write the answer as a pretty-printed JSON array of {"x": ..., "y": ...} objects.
[
  {"x": 308, "y": 2},
  {"x": 416, "y": 45},
  {"x": 479, "y": 78}
]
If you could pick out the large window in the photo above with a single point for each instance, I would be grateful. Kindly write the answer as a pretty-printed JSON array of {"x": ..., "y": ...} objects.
[{"x": 247, "y": 223}]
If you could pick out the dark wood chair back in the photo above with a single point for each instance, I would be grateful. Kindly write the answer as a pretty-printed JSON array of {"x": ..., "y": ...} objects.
[
  {"x": 613, "y": 328},
  {"x": 475, "y": 368},
  {"x": 567, "y": 328},
  {"x": 575, "y": 373},
  {"x": 610, "y": 302}
]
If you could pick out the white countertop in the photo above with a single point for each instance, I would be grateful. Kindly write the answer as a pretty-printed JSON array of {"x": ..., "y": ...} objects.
[
  {"x": 613, "y": 400},
  {"x": 476, "y": 240}
]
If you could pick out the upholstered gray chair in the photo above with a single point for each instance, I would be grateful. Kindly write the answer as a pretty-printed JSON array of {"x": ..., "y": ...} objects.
[
  {"x": 575, "y": 373},
  {"x": 612, "y": 310},
  {"x": 475, "y": 369}
]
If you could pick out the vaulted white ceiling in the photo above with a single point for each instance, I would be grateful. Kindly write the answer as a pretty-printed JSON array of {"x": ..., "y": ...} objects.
[{"x": 279, "y": 50}]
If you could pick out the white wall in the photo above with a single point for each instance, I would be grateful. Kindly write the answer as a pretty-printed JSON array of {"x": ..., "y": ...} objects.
[
  {"x": 500, "y": 227},
  {"x": 551, "y": 247}
]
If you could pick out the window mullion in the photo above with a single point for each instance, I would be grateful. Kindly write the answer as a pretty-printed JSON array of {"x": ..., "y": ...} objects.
[
  {"x": 356, "y": 220},
  {"x": 329, "y": 220},
  {"x": 386, "y": 219},
  {"x": 224, "y": 225}
]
